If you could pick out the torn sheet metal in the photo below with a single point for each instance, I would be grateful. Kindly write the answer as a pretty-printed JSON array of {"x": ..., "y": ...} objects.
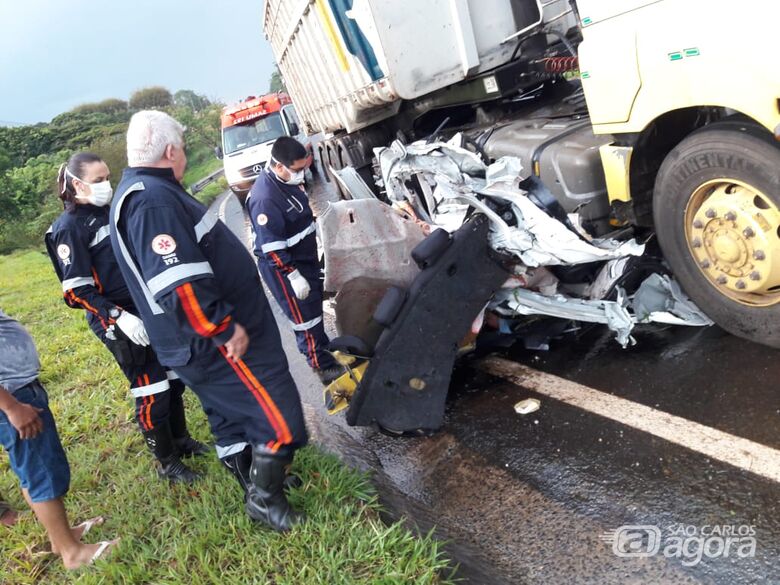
[
  {"x": 613, "y": 314},
  {"x": 540, "y": 240},
  {"x": 660, "y": 299},
  {"x": 609, "y": 274},
  {"x": 399, "y": 162},
  {"x": 461, "y": 177},
  {"x": 351, "y": 181},
  {"x": 444, "y": 184},
  {"x": 367, "y": 238}
]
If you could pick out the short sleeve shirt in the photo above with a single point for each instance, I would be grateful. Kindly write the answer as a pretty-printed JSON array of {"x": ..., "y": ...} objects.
[{"x": 19, "y": 363}]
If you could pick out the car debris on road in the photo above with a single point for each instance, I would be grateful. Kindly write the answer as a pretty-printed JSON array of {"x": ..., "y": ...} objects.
[{"x": 461, "y": 254}]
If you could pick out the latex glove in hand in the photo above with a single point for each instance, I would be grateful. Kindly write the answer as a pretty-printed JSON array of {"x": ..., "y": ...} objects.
[
  {"x": 134, "y": 328},
  {"x": 300, "y": 284}
]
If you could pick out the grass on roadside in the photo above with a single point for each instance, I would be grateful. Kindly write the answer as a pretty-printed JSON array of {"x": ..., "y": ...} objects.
[
  {"x": 177, "y": 535},
  {"x": 201, "y": 162}
]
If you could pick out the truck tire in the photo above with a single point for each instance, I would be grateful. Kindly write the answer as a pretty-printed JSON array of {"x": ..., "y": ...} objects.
[{"x": 716, "y": 209}]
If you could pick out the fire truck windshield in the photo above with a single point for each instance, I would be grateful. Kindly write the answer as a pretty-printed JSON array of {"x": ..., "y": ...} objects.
[{"x": 253, "y": 132}]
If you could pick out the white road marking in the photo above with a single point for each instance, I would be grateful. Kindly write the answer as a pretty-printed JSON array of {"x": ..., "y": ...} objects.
[{"x": 715, "y": 444}]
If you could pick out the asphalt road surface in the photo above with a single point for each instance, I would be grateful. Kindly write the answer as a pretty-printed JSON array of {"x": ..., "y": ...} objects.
[{"x": 655, "y": 464}]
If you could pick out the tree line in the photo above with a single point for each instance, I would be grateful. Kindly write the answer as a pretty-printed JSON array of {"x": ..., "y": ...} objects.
[{"x": 31, "y": 155}]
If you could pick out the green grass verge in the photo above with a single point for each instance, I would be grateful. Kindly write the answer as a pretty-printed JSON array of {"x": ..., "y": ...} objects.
[
  {"x": 201, "y": 162},
  {"x": 174, "y": 535}
]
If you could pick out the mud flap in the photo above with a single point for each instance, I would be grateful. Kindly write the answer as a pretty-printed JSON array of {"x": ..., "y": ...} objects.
[{"x": 405, "y": 384}]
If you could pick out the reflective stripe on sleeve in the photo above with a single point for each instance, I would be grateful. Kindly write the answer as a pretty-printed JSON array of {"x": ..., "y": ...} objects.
[
  {"x": 153, "y": 306},
  {"x": 150, "y": 389},
  {"x": 100, "y": 235},
  {"x": 223, "y": 452},
  {"x": 204, "y": 226},
  {"x": 308, "y": 325},
  {"x": 171, "y": 375},
  {"x": 289, "y": 242},
  {"x": 273, "y": 246},
  {"x": 177, "y": 273},
  {"x": 71, "y": 283}
]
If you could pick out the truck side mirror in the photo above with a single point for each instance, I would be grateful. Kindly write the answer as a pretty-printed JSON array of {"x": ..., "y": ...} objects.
[
  {"x": 294, "y": 130},
  {"x": 218, "y": 152}
]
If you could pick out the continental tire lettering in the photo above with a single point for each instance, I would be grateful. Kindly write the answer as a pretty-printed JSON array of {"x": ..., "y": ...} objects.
[{"x": 710, "y": 160}]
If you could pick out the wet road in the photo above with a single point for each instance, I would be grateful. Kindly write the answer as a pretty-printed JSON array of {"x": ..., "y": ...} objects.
[{"x": 530, "y": 498}]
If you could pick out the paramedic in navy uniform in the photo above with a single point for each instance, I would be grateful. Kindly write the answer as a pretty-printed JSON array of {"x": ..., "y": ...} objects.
[
  {"x": 80, "y": 251},
  {"x": 201, "y": 300},
  {"x": 286, "y": 250}
]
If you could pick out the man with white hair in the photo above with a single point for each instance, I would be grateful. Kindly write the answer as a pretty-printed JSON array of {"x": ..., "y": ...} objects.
[{"x": 198, "y": 292}]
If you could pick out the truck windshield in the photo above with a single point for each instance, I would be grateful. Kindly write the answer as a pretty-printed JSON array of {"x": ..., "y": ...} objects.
[{"x": 253, "y": 132}]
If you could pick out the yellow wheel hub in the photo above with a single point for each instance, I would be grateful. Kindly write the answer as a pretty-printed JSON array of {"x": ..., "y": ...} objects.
[{"x": 733, "y": 233}]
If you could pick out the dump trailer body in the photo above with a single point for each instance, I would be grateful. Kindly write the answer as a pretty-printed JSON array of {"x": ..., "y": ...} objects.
[{"x": 347, "y": 64}]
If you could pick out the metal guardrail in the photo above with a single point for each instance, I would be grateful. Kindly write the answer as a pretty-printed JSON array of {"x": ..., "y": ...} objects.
[{"x": 200, "y": 185}]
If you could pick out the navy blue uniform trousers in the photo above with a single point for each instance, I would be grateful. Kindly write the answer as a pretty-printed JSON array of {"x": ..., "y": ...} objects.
[
  {"x": 253, "y": 400},
  {"x": 304, "y": 315}
]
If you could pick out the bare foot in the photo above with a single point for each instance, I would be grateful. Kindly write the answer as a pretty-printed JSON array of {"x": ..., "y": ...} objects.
[
  {"x": 9, "y": 517},
  {"x": 86, "y": 554},
  {"x": 80, "y": 530}
]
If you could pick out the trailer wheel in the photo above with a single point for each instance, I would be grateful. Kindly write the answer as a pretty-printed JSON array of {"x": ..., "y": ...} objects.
[{"x": 716, "y": 208}]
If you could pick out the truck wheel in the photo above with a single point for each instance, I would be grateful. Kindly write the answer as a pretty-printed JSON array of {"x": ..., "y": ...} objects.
[{"x": 716, "y": 208}]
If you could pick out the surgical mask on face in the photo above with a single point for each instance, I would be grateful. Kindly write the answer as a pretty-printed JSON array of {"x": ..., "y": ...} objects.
[
  {"x": 296, "y": 177},
  {"x": 100, "y": 193}
]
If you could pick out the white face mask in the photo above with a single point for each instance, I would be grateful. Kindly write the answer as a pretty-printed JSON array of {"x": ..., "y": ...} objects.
[
  {"x": 100, "y": 193},
  {"x": 296, "y": 177}
]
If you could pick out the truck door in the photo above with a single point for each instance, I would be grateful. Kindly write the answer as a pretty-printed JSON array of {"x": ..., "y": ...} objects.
[{"x": 292, "y": 124}]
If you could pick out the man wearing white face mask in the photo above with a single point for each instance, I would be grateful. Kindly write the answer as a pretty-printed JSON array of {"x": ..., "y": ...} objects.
[
  {"x": 286, "y": 250},
  {"x": 80, "y": 249}
]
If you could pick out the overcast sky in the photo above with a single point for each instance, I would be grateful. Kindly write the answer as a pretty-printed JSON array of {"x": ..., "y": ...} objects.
[{"x": 56, "y": 54}]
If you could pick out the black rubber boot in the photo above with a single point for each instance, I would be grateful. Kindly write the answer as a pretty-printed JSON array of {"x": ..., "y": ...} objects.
[
  {"x": 240, "y": 463},
  {"x": 291, "y": 480},
  {"x": 189, "y": 447},
  {"x": 266, "y": 501},
  {"x": 186, "y": 446},
  {"x": 160, "y": 443},
  {"x": 330, "y": 374}
]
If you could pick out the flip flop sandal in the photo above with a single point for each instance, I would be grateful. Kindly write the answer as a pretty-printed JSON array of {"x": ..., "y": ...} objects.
[
  {"x": 45, "y": 549},
  {"x": 104, "y": 546},
  {"x": 89, "y": 524}
]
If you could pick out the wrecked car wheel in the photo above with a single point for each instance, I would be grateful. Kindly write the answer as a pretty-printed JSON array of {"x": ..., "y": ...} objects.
[{"x": 716, "y": 209}]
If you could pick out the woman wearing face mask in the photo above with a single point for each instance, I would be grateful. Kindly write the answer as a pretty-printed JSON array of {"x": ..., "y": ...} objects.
[{"x": 80, "y": 248}]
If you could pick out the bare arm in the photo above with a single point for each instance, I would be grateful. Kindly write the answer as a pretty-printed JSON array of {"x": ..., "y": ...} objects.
[{"x": 23, "y": 417}]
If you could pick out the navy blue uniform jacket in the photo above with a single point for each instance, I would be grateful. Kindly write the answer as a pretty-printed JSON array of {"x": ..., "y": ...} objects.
[
  {"x": 284, "y": 225},
  {"x": 80, "y": 249},
  {"x": 189, "y": 276}
]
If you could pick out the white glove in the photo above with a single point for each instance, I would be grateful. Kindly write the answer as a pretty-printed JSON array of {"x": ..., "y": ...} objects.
[
  {"x": 134, "y": 328},
  {"x": 300, "y": 284}
]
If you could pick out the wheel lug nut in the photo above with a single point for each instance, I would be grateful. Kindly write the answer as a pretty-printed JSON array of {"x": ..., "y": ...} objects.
[
  {"x": 711, "y": 213},
  {"x": 698, "y": 224},
  {"x": 740, "y": 284},
  {"x": 755, "y": 275},
  {"x": 722, "y": 279},
  {"x": 696, "y": 243},
  {"x": 748, "y": 232},
  {"x": 759, "y": 255},
  {"x": 705, "y": 264},
  {"x": 731, "y": 216}
]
